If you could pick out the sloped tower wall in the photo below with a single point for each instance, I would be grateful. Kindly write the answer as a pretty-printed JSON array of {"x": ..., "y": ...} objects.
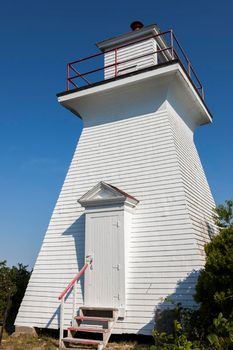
[{"x": 141, "y": 142}]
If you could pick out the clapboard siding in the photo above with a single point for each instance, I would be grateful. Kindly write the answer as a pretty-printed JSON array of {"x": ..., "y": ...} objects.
[
  {"x": 198, "y": 195},
  {"x": 146, "y": 47},
  {"x": 146, "y": 156}
]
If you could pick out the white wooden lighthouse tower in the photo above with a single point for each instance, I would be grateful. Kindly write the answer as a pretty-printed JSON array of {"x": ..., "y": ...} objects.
[{"x": 135, "y": 209}]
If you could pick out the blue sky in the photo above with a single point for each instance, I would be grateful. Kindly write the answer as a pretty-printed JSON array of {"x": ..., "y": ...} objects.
[{"x": 38, "y": 137}]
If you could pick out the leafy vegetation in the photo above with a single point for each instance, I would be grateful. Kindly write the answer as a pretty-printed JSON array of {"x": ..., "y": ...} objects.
[
  {"x": 222, "y": 338},
  {"x": 223, "y": 215},
  {"x": 214, "y": 289},
  {"x": 188, "y": 333},
  {"x": 175, "y": 341},
  {"x": 210, "y": 327},
  {"x": 13, "y": 283}
]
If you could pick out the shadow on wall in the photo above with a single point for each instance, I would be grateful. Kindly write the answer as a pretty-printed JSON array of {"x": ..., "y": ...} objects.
[
  {"x": 56, "y": 315},
  {"x": 211, "y": 229},
  {"x": 163, "y": 312},
  {"x": 76, "y": 230}
]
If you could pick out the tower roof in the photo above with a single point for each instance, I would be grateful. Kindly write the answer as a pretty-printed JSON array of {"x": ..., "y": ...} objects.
[
  {"x": 142, "y": 55},
  {"x": 145, "y": 31}
]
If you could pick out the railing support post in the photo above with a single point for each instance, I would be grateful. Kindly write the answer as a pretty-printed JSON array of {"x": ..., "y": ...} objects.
[
  {"x": 62, "y": 296},
  {"x": 74, "y": 303},
  {"x": 61, "y": 332},
  {"x": 116, "y": 63},
  {"x": 68, "y": 77},
  {"x": 202, "y": 93},
  {"x": 189, "y": 69},
  {"x": 172, "y": 45}
]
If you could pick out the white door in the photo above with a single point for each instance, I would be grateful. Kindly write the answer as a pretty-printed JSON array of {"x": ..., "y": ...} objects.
[{"x": 104, "y": 242}]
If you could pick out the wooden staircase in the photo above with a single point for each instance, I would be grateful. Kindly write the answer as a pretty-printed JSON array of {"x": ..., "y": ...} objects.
[{"x": 92, "y": 328}]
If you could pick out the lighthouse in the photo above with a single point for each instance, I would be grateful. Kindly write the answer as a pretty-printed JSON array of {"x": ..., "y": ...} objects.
[{"x": 135, "y": 209}]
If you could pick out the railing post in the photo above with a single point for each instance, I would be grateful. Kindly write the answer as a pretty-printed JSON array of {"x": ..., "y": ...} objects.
[
  {"x": 68, "y": 77},
  {"x": 116, "y": 63},
  {"x": 74, "y": 303},
  {"x": 62, "y": 296},
  {"x": 202, "y": 93},
  {"x": 189, "y": 69},
  {"x": 172, "y": 45},
  {"x": 61, "y": 332}
]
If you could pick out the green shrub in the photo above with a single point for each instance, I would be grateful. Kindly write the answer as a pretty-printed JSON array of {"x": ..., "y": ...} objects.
[
  {"x": 13, "y": 283},
  {"x": 222, "y": 338},
  {"x": 211, "y": 326},
  {"x": 176, "y": 341},
  {"x": 214, "y": 289}
]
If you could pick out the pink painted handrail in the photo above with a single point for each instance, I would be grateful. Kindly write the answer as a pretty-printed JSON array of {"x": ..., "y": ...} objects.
[{"x": 81, "y": 272}]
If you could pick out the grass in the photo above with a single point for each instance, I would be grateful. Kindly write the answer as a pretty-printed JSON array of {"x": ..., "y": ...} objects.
[
  {"x": 43, "y": 342},
  {"x": 127, "y": 346},
  {"x": 29, "y": 342}
]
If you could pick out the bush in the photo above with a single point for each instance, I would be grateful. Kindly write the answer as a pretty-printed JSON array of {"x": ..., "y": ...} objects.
[
  {"x": 214, "y": 289},
  {"x": 210, "y": 327},
  {"x": 222, "y": 338},
  {"x": 13, "y": 283}
]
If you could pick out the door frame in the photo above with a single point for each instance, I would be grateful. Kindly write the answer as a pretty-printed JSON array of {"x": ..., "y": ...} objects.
[
  {"x": 90, "y": 214},
  {"x": 105, "y": 199}
]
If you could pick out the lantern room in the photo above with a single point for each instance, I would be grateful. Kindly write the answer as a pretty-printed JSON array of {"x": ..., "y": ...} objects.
[{"x": 143, "y": 47}]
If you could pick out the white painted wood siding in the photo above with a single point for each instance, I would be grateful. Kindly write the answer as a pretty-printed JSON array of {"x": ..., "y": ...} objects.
[
  {"x": 198, "y": 196},
  {"x": 153, "y": 158},
  {"x": 147, "y": 47}
]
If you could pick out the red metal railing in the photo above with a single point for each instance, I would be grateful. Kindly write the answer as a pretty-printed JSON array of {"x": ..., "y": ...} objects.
[
  {"x": 170, "y": 48},
  {"x": 62, "y": 299},
  {"x": 81, "y": 272}
]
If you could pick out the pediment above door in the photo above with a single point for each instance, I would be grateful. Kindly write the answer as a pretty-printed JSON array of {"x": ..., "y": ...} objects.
[{"x": 104, "y": 194}]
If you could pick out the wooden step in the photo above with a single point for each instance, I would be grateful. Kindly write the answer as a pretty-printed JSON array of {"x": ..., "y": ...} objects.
[
  {"x": 82, "y": 341},
  {"x": 98, "y": 308},
  {"x": 87, "y": 329},
  {"x": 94, "y": 318}
]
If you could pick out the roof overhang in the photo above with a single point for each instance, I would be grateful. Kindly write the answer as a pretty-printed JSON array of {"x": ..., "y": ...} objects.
[
  {"x": 172, "y": 70},
  {"x": 144, "y": 32}
]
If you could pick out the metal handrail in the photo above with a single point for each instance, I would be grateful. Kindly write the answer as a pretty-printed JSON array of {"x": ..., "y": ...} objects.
[
  {"x": 119, "y": 47},
  {"x": 81, "y": 272},
  {"x": 118, "y": 63},
  {"x": 62, "y": 299},
  {"x": 170, "y": 56}
]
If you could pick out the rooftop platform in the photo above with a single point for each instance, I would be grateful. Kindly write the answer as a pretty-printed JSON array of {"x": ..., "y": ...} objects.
[{"x": 91, "y": 71}]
